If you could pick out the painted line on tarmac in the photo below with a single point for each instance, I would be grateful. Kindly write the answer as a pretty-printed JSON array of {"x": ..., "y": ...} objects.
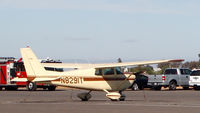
[
  {"x": 104, "y": 103},
  {"x": 151, "y": 105}
]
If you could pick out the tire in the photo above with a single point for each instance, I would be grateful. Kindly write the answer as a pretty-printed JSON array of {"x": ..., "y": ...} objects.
[
  {"x": 141, "y": 87},
  {"x": 196, "y": 87},
  {"x": 135, "y": 87},
  {"x": 157, "y": 88},
  {"x": 52, "y": 88},
  {"x": 186, "y": 88},
  {"x": 11, "y": 88},
  {"x": 44, "y": 88},
  {"x": 172, "y": 85},
  {"x": 1, "y": 88},
  {"x": 31, "y": 86},
  {"x": 123, "y": 97}
]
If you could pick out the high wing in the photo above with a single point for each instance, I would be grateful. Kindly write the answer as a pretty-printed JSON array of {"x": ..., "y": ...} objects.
[
  {"x": 106, "y": 65},
  {"x": 67, "y": 65}
]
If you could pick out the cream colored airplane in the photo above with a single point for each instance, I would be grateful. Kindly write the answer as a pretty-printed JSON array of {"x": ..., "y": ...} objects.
[{"x": 98, "y": 77}]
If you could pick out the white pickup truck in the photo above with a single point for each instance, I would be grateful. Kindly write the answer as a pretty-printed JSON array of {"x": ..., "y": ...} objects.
[
  {"x": 171, "y": 78},
  {"x": 195, "y": 79}
]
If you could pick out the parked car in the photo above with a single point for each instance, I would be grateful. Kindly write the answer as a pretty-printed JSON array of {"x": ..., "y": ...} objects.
[
  {"x": 140, "y": 82},
  {"x": 171, "y": 78},
  {"x": 195, "y": 79}
]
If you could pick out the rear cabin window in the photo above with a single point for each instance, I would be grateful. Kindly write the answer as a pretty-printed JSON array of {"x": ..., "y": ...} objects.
[
  {"x": 171, "y": 72},
  {"x": 195, "y": 73},
  {"x": 118, "y": 70},
  {"x": 109, "y": 71}
]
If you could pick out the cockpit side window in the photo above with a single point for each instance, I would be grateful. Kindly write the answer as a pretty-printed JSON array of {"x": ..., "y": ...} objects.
[
  {"x": 118, "y": 70},
  {"x": 98, "y": 72},
  {"x": 109, "y": 71}
]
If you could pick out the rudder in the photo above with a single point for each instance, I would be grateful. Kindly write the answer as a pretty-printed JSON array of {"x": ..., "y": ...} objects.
[{"x": 32, "y": 64}]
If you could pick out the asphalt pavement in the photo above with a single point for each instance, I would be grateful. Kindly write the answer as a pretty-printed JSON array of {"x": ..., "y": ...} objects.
[{"x": 65, "y": 101}]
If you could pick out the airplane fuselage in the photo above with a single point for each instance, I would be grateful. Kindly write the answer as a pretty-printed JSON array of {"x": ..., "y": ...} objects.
[{"x": 86, "y": 79}]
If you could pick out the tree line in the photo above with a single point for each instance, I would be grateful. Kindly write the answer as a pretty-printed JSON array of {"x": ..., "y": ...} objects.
[{"x": 162, "y": 66}]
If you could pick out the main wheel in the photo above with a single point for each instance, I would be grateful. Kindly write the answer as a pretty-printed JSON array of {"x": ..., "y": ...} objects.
[
  {"x": 31, "y": 86},
  {"x": 172, "y": 85},
  {"x": 84, "y": 96},
  {"x": 122, "y": 98}
]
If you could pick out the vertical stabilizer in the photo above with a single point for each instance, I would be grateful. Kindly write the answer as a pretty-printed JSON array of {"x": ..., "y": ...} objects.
[{"x": 32, "y": 64}]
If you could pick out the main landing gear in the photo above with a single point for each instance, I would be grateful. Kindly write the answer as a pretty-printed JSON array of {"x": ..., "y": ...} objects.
[
  {"x": 113, "y": 96},
  {"x": 84, "y": 96}
]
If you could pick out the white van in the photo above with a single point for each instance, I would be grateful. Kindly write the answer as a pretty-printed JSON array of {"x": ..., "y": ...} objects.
[{"x": 195, "y": 79}]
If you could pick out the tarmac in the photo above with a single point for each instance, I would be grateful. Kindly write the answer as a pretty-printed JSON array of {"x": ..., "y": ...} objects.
[{"x": 65, "y": 101}]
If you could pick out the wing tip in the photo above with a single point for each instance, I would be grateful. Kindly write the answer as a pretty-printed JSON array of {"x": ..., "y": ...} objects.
[{"x": 176, "y": 60}]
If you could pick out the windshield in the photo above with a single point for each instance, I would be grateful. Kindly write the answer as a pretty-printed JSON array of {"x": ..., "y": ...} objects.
[{"x": 195, "y": 73}]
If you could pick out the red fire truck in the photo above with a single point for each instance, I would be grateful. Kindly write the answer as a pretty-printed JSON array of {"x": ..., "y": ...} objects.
[{"x": 10, "y": 68}]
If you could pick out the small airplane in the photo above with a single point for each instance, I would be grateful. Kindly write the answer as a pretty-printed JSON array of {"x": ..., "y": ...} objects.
[{"x": 92, "y": 77}]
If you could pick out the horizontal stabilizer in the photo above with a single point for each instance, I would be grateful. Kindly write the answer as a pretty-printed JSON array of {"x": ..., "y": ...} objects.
[
  {"x": 45, "y": 79},
  {"x": 16, "y": 79}
]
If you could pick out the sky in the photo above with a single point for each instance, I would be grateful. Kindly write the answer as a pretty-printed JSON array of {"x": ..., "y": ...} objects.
[{"x": 101, "y": 29}]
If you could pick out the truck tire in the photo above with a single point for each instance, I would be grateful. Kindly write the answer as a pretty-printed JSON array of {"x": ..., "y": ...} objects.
[
  {"x": 157, "y": 88},
  {"x": 172, "y": 85},
  {"x": 1, "y": 88},
  {"x": 186, "y": 87},
  {"x": 196, "y": 87},
  {"x": 31, "y": 86},
  {"x": 135, "y": 87},
  {"x": 11, "y": 88},
  {"x": 52, "y": 88}
]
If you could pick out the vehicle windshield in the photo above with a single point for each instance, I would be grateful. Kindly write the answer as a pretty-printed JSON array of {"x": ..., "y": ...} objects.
[
  {"x": 195, "y": 73},
  {"x": 19, "y": 66}
]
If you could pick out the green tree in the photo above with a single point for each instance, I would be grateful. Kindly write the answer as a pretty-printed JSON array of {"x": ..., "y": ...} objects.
[
  {"x": 148, "y": 69},
  {"x": 163, "y": 66},
  {"x": 191, "y": 65}
]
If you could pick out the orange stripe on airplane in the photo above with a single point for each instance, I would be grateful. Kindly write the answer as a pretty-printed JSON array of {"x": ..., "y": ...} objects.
[{"x": 105, "y": 79}]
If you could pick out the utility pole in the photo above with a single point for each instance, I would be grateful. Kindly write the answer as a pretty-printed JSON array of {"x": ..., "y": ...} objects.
[
  {"x": 199, "y": 57},
  {"x": 119, "y": 60}
]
